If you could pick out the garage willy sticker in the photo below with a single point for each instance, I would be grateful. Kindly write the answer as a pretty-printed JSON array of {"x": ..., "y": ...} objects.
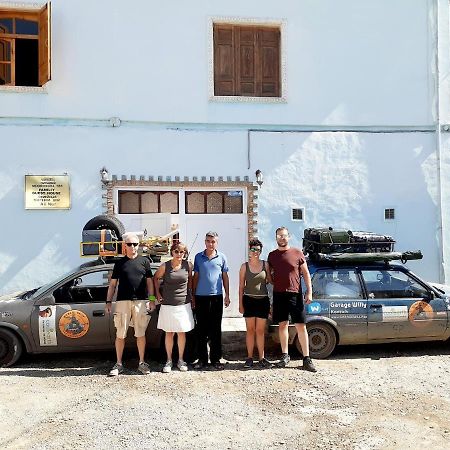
[
  {"x": 74, "y": 324},
  {"x": 394, "y": 313},
  {"x": 47, "y": 326}
]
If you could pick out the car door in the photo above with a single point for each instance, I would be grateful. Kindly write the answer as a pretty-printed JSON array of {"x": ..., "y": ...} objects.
[
  {"x": 401, "y": 307},
  {"x": 72, "y": 315},
  {"x": 337, "y": 293}
]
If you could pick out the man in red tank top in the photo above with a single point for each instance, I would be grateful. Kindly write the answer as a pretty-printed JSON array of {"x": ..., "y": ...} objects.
[{"x": 288, "y": 265}]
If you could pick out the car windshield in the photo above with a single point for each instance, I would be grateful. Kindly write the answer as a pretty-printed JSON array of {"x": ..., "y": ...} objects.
[{"x": 49, "y": 285}]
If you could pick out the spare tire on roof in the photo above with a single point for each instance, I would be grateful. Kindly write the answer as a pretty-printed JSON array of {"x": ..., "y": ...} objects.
[{"x": 104, "y": 222}]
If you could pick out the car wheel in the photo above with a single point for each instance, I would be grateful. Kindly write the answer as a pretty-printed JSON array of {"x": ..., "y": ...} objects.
[
  {"x": 322, "y": 340},
  {"x": 10, "y": 348},
  {"x": 104, "y": 222}
]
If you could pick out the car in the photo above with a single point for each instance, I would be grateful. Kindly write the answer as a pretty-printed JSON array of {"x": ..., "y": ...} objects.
[
  {"x": 65, "y": 315},
  {"x": 371, "y": 302}
]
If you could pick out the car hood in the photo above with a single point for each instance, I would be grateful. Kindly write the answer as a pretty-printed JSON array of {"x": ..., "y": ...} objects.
[{"x": 11, "y": 297}]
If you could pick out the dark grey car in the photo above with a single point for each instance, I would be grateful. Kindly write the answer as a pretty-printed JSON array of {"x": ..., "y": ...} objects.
[
  {"x": 65, "y": 315},
  {"x": 371, "y": 303}
]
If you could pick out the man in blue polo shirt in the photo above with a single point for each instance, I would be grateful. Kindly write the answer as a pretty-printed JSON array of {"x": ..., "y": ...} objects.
[{"x": 210, "y": 273}]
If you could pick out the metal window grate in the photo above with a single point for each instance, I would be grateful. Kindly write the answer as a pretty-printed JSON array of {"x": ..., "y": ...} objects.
[
  {"x": 297, "y": 213},
  {"x": 389, "y": 214}
]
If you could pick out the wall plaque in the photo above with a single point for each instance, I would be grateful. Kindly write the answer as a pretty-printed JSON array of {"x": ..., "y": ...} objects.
[{"x": 47, "y": 192}]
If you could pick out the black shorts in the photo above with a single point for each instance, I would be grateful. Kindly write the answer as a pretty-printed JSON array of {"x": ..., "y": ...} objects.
[
  {"x": 256, "y": 306},
  {"x": 288, "y": 303}
]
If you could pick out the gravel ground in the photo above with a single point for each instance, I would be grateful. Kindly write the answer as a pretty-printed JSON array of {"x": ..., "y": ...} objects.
[{"x": 371, "y": 397}]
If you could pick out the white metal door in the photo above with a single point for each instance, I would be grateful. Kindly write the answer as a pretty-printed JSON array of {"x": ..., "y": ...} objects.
[
  {"x": 232, "y": 230},
  {"x": 156, "y": 224}
]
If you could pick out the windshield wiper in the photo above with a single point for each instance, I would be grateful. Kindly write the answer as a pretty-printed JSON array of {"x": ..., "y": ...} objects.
[{"x": 28, "y": 294}]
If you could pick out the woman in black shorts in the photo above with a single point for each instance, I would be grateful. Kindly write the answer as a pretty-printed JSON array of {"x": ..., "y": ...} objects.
[{"x": 254, "y": 301}]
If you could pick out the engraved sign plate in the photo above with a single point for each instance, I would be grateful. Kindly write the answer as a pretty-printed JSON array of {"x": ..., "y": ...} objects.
[{"x": 47, "y": 192}]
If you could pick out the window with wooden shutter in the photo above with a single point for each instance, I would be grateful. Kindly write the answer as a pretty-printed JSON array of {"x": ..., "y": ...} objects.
[
  {"x": 24, "y": 46},
  {"x": 44, "y": 45},
  {"x": 214, "y": 202},
  {"x": 148, "y": 202},
  {"x": 246, "y": 60}
]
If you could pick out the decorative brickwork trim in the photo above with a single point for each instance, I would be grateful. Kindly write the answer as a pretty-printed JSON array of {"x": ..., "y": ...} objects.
[{"x": 185, "y": 182}]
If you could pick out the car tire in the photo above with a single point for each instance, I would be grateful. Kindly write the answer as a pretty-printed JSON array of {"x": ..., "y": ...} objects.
[
  {"x": 104, "y": 222},
  {"x": 10, "y": 348},
  {"x": 322, "y": 340}
]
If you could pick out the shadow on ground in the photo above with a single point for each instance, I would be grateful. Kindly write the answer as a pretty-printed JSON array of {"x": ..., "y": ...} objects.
[{"x": 99, "y": 363}]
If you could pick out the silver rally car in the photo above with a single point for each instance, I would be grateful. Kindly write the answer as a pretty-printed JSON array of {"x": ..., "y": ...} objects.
[
  {"x": 65, "y": 315},
  {"x": 371, "y": 303}
]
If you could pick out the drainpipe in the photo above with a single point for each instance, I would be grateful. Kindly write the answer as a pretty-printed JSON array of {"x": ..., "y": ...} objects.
[{"x": 440, "y": 229}]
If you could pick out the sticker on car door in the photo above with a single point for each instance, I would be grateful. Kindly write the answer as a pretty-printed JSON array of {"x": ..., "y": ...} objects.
[
  {"x": 47, "y": 326},
  {"x": 394, "y": 313},
  {"x": 420, "y": 313},
  {"x": 74, "y": 324}
]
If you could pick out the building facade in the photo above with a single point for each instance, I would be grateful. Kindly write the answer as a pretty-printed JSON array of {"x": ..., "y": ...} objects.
[{"x": 341, "y": 106}]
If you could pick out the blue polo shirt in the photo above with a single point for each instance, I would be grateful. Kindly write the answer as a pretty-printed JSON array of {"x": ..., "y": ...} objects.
[{"x": 210, "y": 273}]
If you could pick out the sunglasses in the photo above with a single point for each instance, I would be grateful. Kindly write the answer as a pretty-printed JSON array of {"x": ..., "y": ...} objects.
[
  {"x": 179, "y": 252},
  {"x": 132, "y": 244},
  {"x": 255, "y": 249}
]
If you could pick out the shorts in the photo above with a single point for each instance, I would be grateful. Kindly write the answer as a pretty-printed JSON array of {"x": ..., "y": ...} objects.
[
  {"x": 288, "y": 303},
  {"x": 256, "y": 306},
  {"x": 131, "y": 313}
]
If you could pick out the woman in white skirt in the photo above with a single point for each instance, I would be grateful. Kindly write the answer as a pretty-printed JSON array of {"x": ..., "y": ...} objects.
[{"x": 175, "y": 315}]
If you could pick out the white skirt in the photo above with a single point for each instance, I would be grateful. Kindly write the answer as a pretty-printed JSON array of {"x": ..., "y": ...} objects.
[{"x": 176, "y": 319}]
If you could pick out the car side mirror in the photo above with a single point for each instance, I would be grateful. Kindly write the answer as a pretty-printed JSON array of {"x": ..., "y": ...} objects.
[{"x": 431, "y": 295}]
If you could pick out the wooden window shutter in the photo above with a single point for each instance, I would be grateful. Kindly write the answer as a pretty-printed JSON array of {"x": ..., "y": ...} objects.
[
  {"x": 269, "y": 62},
  {"x": 247, "y": 61},
  {"x": 44, "y": 44},
  {"x": 224, "y": 66}
]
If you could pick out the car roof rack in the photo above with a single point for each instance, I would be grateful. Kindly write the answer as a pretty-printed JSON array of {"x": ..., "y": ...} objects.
[
  {"x": 334, "y": 246},
  {"x": 364, "y": 258}
]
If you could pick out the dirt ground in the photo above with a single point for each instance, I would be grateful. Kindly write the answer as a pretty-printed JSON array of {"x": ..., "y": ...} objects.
[{"x": 371, "y": 397}]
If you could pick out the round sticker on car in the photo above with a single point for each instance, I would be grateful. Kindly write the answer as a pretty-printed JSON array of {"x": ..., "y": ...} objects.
[
  {"x": 74, "y": 324},
  {"x": 420, "y": 313}
]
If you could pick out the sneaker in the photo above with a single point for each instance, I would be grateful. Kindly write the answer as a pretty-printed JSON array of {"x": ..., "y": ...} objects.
[
  {"x": 199, "y": 365},
  {"x": 248, "y": 363},
  {"x": 217, "y": 366},
  {"x": 182, "y": 366},
  {"x": 167, "y": 367},
  {"x": 308, "y": 364},
  {"x": 117, "y": 368},
  {"x": 284, "y": 360},
  {"x": 264, "y": 364},
  {"x": 144, "y": 368}
]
